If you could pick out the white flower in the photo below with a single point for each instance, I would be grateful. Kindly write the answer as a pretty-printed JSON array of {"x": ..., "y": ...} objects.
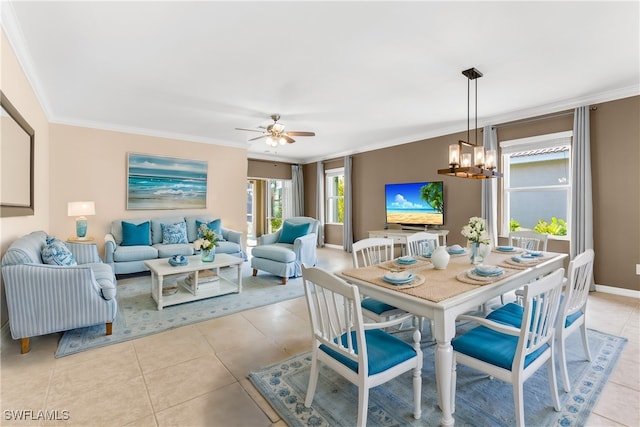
[{"x": 476, "y": 230}]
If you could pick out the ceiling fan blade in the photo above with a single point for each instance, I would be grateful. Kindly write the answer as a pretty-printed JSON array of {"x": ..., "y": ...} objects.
[
  {"x": 288, "y": 139},
  {"x": 258, "y": 137},
  {"x": 299, "y": 133},
  {"x": 250, "y": 130}
]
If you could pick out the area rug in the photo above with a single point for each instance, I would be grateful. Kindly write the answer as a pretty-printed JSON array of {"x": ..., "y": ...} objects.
[
  {"x": 138, "y": 315},
  {"x": 480, "y": 400}
]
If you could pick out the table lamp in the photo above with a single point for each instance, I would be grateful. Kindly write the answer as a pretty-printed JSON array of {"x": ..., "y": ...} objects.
[{"x": 79, "y": 210}]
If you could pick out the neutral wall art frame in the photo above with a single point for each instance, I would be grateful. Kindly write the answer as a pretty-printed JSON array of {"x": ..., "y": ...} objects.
[
  {"x": 155, "y": 182},
  {"x": 17, "y": 141}
]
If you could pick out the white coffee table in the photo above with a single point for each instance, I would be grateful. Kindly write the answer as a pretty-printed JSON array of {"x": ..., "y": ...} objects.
[{"x": 185, "y": 293}]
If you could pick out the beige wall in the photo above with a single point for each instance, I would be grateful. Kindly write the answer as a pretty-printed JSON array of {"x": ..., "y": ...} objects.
[
  {"x": 17, "y": 89},
  {"x": 91, "y": 164},
  {"x": 268, "y": 169}
]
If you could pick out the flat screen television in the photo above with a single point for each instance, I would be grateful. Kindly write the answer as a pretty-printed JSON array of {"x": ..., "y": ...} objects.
[{"x": 415, "y": 203}]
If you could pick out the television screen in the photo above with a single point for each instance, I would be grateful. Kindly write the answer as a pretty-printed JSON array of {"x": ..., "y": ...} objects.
[{"x": 415, "y": 203}]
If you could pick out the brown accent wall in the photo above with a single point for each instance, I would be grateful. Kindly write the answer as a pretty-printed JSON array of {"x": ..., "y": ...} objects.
[
  {"x": 615, "y": 156},
  {"x": 615, "y": 160},
  {"x": 268, "y": 169}
]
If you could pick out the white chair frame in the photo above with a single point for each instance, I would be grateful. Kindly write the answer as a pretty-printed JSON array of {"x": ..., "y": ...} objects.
[
  {"x": 334, "y": 310},
  {"x": 372, "y": 251},
  {"x": 575, "y": 294},
  {"x": 527, "y": 239},
  {"x": 541, "y": 307}
]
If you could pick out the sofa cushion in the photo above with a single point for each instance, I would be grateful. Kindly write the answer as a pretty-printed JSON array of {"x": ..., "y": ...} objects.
[
  {"x": 105, "y": 278},
  {"x": 167, "y": 251},
  {"x": 55, "y": 252},
  {"x": 192, "y": 231},
  {"x": 281, "y": 252},
  {"x": 215, "y": 226},
  {"x": 226, "y": 247},
  {"x": 135, "y": 234},
  {"x": 174, "y": 233},
  {"x": 134, "y": 253},
  {"x": 290, "y": 232},
  {"x": 156, "y": 227}
]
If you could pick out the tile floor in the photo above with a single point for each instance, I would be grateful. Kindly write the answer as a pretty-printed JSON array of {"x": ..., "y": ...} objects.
[{"x": 197, "y": 375}]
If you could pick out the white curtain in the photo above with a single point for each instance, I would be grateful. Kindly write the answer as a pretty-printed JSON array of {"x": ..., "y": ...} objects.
[
  {"x": 347, "y": 236},
  {"x": 320, "y": 202},
  {"x": 490, "y": 188},
  {"x": 287, "y": 199},
  {"x": 581, "y": 199},
  {"x": 297, "y": 184}
]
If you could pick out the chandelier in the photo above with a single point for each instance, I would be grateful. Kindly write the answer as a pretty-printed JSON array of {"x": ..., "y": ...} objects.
[{"x": 474, "y": 163}]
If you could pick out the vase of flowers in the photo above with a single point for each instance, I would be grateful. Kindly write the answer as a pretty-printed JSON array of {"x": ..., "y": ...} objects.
[
  {"x": 206, "y": 243},
  {"x": 476, "y": 234}
]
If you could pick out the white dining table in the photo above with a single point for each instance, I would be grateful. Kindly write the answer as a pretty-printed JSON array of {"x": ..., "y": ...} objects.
[{"x": 445, "y": 311}]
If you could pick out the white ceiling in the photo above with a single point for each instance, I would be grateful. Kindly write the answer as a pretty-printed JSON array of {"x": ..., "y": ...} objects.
[{"x": 362, "y": 75}]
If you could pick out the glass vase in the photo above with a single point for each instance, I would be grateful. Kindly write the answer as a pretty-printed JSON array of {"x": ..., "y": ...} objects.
[
  {"x": 475, "y": 253},
  {"x": 208, "y": 255}
]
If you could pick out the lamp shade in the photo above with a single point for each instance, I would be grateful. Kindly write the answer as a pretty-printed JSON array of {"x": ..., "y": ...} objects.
[{"x": 81, "y": 208}]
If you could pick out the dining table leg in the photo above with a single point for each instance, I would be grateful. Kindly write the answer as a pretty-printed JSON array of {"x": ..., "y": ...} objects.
[{"x": 444, "y": 366}]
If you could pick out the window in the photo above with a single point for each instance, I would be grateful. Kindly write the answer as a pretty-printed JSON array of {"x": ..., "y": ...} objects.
[
  {"x": 537, "y": 184},
  {"x": 274, "y": 204},
  {"x": 334, "y": 195}
]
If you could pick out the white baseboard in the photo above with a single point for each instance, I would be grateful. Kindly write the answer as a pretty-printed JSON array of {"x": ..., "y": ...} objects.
[{"x": 617, "y": 291}]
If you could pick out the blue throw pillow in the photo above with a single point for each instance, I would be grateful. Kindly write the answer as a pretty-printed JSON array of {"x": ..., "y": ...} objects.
[
  {"x": 135, "y": 234},
  {"x": 55, "y": 252},
  {"x": 215, "y": 226},
  {"x": 173, "y": 234},
  {"x": 290, "y": 232}
]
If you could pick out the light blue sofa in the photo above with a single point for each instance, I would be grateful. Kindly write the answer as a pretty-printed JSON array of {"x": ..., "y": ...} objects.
[
  {"x": 130, "y": 259},
  {"x": 43, "y": 298},
  {"x": 285, "y": 259}
]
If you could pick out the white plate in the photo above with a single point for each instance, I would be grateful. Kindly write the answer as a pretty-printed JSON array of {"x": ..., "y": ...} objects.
[
  {"x": 398, "y": 278},
  {"x": 473, "y": 275}
]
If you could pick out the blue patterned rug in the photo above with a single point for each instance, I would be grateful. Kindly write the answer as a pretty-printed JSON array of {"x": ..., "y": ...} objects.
[
  {"x": 138, "y": 315},
  {"x": 480, "y": 401}
]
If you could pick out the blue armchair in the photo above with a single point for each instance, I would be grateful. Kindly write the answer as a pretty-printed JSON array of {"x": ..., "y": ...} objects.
[
  {"x": 44, "y": 298},
  {"x": 282, "y": 253}
]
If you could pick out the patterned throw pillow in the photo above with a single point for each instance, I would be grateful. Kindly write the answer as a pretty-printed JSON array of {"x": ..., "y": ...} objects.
[
  {"x": 173, "y": 234},
  {"x": 55, "y": 252}
]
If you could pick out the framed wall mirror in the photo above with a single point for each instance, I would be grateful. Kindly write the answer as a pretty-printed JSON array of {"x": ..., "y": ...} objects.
[{"x": 16, "y": 162}]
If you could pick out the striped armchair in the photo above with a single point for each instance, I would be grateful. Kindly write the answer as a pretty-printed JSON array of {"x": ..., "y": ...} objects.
[{"x": 44, "y": 298}]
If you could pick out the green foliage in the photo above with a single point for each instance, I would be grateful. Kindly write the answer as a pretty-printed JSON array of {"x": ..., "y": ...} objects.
[
  {"x": 514, "y": 225},
  {"x": 276, "y": 223},
  {"x": 557, "y": 227},
  {"x": 432, "y": 194},
  {"x": 341, "y": 200}
]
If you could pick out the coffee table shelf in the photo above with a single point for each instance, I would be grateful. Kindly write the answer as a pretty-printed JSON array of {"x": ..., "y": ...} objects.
[{"x": 185, "y": 293}]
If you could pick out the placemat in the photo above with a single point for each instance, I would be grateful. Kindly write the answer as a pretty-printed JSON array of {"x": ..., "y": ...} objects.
[
  {"x": 393, "y": 265},
  {"x": 463, "y": 277}
]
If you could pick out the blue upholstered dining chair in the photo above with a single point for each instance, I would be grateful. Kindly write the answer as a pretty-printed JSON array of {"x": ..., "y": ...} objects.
[
  {"x": 514, "y": 341},
  {"x": 573, "y": 310},
  {"x": 372, "y": 251},
  {"x": 362, "y": 353},
  {"x": 283, "y": 252}
]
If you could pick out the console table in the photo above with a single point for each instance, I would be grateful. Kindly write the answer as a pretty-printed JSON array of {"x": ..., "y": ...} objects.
[{"x": 400, "y": 236}]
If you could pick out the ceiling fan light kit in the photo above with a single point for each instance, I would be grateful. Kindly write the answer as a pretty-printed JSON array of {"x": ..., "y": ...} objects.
[
  {"x": 460, "y": 163},
  {"x": 275, "y": 134}
]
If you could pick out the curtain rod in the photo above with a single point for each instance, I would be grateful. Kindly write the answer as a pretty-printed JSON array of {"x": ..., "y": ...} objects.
[{"x": 536, "y": 119}]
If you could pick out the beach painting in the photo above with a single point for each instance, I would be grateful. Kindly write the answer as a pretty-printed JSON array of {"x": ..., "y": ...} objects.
[{"x": 155, "y": 182}]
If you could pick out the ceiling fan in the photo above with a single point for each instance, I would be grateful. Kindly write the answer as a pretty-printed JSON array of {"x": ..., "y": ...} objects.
[{"x": 275, "y": 133}]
